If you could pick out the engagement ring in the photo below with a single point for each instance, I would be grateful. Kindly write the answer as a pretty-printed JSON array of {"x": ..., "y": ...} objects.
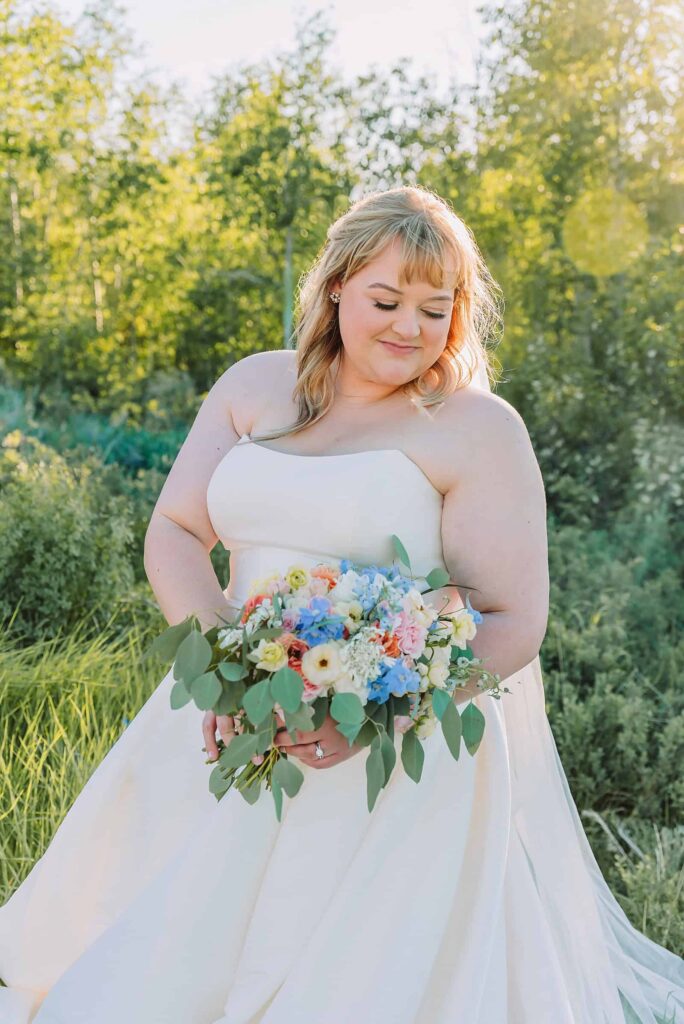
[{"x": 318, "y": 750}]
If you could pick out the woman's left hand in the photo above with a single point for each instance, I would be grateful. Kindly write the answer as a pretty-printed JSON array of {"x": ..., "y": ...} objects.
[{"x": 335, "y": 746}]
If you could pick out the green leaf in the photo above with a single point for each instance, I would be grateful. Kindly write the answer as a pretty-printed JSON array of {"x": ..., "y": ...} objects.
[
  {"x": 412, "y": 755},
  {"x": 232, "y": 670},
  {"x": 301, "y": 719},
  {"x": 389, "y": 756},
  {"x": 258, "y": 701},
  {"x": 287, "y": 688},
  {"x": 366, "y": 735},
  {"x": 451, "y": 727},
  {"x": 252, "y": 791},
  {"x": 192, "y": 658},
  {"x": 218, "y": 783},
  {"x": 437, "y": 578},
  {"x": 287, "y": 775},
  {"x": 264, "y": 633},
  {"x": 167, "y": 643},
  {"x": 225, "y": 705},
  {"x": 321, "y": 706},
  {"x": 349, "y": 731},
  {"x": 377, "y": 713},
  {"x": 277, "y": 798},
  {"x": 179, "y": 695},
  {"x": 206, "y": 690},
  {"x": 473, "y": 722},
  {"x": 440, "y": 701},
  {"x": 346, "y": 707},
  {"x": 238, "y": 751},
  {"x": 400, "y": 551},
  {"x": 375, "y": 775}
]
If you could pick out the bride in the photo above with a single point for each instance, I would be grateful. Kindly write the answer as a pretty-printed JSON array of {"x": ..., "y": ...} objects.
[{"x": 470, "y": 898}]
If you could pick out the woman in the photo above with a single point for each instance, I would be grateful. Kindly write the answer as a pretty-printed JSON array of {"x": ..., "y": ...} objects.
[{"x": 472, "y": 897}]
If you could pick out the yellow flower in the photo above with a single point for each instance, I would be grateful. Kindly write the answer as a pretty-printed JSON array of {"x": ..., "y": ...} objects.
[
  {"x": 463, "y": 628},
  {"x": 261, "y": 585},
  {"x": 322, "y": 665},
  {"x": 269, "y": 655},
  {"x": 297, "y": 576}
]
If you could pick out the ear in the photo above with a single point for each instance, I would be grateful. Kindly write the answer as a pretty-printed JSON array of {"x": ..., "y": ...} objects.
[{"x": 336, "y": 285}]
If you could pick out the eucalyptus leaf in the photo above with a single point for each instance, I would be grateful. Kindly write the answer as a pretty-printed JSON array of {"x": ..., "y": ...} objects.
[
  {"x": 366, "y": 734},
  {"x": 320, "y": 706},
  {"x": 232, "y": 670},
  {"x": 377, "y": 713},
  {"x": 473, "y": 722},
  {"x": 252, "y": 791},
  {"x": 301, "y": 719},
  {"x": 346, "y": 707},
  {"x": 287, "y": 688},
  {"x": 277, "y": 792},
  {"x": 218, "y": 782},
  {"x": 225, "y": 705},
  {"x": 180, "y": 695},
  {"x": 451, "y": 727},
  {"x": 258, "y": 701},
  {"x": 167, "y": 643},
  {"x": 437, "y": 578},
  {"x": 440, "y": 701},
  {"x": 401, "y": 551},
  {"x": 287, "y": 775},
  {"x": 389, "y": 756},
  {"x": 239, "y": 751},
  {"x": 206, "y": 690},
  {"x": 412, "y": 755},
  {"x": 264, "y": 633},
  {"x": 192, "y": 658},
  {"x": 349, "y": 731},
  {"x": 375, "y": 775}
]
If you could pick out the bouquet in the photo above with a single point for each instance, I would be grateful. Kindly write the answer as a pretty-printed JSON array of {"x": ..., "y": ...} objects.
[{"x": 357, "y": 642}]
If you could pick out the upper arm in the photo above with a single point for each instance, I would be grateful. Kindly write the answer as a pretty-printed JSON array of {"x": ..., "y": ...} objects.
[
  {"x": 183, "y": 498},
  {"x": 494, "y": 518}
]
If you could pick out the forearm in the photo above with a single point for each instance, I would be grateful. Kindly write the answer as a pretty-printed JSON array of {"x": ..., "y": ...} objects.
[
  {"x": 182, "y": 577},
  {"x": 500, "y": 642}
]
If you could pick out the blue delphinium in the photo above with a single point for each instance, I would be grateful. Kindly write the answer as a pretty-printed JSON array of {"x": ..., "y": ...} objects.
[
  {"x": 316, "y": 623},
  {"x": 398, "y": 679}
]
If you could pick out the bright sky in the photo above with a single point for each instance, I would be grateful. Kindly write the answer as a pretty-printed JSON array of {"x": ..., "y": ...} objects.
[{"x": 191, "y": 40}]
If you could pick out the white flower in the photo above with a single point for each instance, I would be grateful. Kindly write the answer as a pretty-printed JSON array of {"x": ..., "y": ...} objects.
[
  {"x": 321, "y": 664},
  {"x": 352, "y": 612},
  {"x": 229, "y": 637},
  {"x": 426, "y": 723},
  {"x": 416, "y": 607},
  {"x": 438, "y": 673},
  {"x": 463, "y": 626},
  {"x": 345, "y": 588},
  {"x": 361, "y": 656},
  {"x": 347, "y": 683}
]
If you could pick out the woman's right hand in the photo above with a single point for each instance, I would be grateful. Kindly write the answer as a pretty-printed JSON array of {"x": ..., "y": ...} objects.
[{"x": 210, "y": 723}]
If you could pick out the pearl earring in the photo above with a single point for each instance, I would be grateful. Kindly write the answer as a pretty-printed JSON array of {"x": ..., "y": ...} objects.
[{"x": 335, "y": 296}]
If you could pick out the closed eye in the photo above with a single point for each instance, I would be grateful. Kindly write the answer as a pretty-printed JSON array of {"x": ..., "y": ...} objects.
[{"x": 393, "y": 305}]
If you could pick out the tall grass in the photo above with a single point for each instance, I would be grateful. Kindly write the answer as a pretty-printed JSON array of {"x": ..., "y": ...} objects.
[{"x": 65, "y": 702}]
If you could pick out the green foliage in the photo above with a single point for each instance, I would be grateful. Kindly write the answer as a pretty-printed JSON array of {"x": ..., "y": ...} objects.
[{"x": 64, "y": 542}]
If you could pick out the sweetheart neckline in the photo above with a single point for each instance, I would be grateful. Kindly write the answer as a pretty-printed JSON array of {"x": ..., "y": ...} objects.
[{"x": 346, "y": 455}]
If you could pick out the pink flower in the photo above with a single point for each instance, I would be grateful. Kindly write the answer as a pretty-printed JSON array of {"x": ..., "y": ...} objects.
[
  {"x": 402, "y": 723},
  {"x": 411, "y": 635},
  {"x": 290, "y": 618},
  {"x": 319, "y": 587}
]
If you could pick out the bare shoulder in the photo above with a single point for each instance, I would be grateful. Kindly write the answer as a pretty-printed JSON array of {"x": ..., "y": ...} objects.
[
  {"x": 252, "y": 382},
  {"x": 493, "y": 429}
]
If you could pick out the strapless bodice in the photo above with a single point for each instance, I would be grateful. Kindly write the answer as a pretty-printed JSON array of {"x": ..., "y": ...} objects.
[{"x": 271, "y": 509}]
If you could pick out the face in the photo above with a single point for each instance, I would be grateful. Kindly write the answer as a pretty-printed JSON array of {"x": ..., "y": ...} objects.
[{"x": 391, "y": 331}]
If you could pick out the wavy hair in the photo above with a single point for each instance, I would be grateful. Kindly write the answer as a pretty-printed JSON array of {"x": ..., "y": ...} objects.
[{"x": 430, "y": 234}]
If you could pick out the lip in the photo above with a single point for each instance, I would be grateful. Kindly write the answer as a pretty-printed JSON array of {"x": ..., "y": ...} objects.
[{"x": 398, "y": 348}]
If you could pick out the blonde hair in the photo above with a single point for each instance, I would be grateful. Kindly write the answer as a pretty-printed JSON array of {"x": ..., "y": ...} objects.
[{"x": 430, "y": 233}]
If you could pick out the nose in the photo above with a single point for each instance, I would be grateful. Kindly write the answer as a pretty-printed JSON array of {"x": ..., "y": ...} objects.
[{"x": 407, "y": 327}]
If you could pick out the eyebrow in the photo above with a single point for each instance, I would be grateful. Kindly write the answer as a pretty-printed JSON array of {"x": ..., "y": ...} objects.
[{"x": 397, "y": 291}]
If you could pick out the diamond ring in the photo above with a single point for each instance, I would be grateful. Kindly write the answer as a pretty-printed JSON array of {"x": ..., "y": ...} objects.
[{"x": 318, "y": 750}]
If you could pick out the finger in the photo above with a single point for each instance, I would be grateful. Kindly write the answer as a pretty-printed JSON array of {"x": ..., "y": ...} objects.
[
  {"x": 226, "y": 727},
  {"x": 209, "y": 733}
]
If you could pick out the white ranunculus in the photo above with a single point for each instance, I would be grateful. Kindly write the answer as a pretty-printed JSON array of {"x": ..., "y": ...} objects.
[
  {"x": 438, "y": 673},
  {"x": 321, "y": 664},
  {"x": 346, "y": 683},
  {"x": 416, "y": 607},
  {"x": 345, "y": 588},
  {"x": 463, "y": 626}
]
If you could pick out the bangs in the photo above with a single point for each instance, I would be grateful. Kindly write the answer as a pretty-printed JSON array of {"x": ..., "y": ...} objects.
[{"x": 428, "y": 255}]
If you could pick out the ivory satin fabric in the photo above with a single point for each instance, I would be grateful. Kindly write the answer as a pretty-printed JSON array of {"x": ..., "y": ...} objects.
[{"x": 471, "y": 898}]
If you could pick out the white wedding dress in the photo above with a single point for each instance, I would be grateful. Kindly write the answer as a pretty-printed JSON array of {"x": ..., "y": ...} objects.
[{"x": 470, "y": 898}]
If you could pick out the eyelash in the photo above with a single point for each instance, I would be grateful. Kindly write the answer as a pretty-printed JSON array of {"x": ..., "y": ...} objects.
[{"x": 393, "y": 305}]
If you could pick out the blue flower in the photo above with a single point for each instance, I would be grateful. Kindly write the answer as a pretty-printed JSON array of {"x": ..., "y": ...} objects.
[
  {"x": 397, "y": 680},
  {"x": 316, "y": 625}
]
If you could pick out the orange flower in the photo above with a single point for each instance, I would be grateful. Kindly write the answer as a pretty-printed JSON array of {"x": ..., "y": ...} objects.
[
  {"x": 251, "y": 603},
  {"x": 324, "y": 572},
  {"x": 390, "y": 644}
]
